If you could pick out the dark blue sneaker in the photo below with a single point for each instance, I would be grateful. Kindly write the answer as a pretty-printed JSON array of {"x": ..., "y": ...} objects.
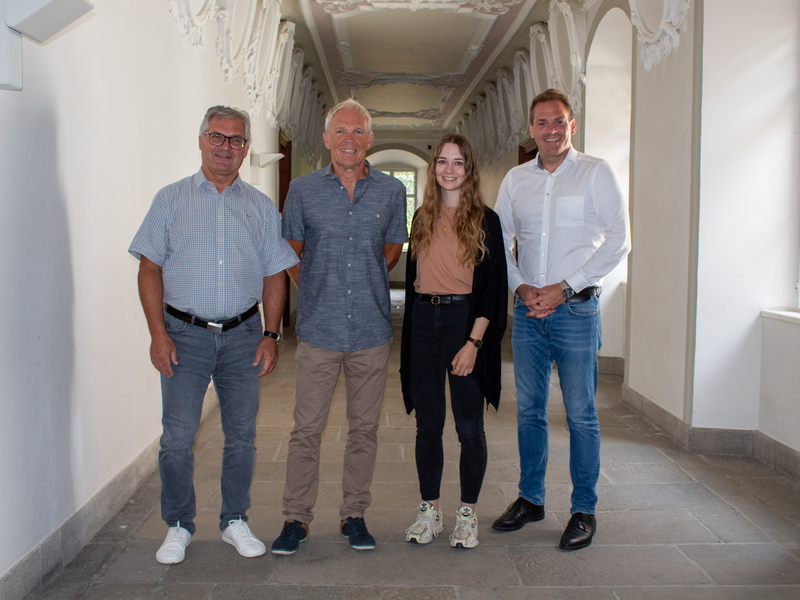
[
  {"x": 289, "y": 540},
  {"x": 355, "y": 530}
]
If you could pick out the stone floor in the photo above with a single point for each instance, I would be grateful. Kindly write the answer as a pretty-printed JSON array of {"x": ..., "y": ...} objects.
[{"x": 670, "y": 524}]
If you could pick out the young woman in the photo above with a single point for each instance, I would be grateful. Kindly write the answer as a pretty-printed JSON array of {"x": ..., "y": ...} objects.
[{"x": 455, "y": 317}]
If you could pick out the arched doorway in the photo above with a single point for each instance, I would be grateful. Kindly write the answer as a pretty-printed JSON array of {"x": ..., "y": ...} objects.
[{"x": 607, "y": 126}]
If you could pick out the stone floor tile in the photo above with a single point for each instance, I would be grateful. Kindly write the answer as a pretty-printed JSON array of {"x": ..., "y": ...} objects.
[
  {"x": 740, "y": 466},
  {"x": 630, "y": 453},
  {"x": 605, "y": 566},
  {"x": 746, "y": 564},
  {"x": 328, "y": 592},
  {"x": 645, "y": 527},
  {"x": 776, "y": 528},
  {"x": 780, "y": 493},
  {"x": 729, "y": 525},
  {"x": 218, "y": 562},
  {"x": 708, "y": 592},
  {"x": 137, "y": 564},
  {"x": 435, "y": 564},
  {"x": 546, "y": 532},
  {"x": 144, "y": 591},
  {"x": 658, "y": 472},
  {"x": 619, "y": 435},
  {"x": 656, "y": 496},
  {"x": 540, "y": 593}
]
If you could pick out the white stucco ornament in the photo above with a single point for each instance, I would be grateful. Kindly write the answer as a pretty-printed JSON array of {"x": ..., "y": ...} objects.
[
  {"x": 486, "y": 7},
  {"x": 252, "y": 41},
  {"x": 657, "y": 43}
]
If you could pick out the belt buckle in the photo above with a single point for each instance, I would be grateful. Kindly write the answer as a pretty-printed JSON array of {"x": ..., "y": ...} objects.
[
  {"x": 435, "y": 300},
  {"x": 215, "y": 327}
]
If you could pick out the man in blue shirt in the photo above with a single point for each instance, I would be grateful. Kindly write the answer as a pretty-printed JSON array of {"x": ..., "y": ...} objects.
[
  {"x": 348, "y": 222},
  {"x": 211, "y": 249}
]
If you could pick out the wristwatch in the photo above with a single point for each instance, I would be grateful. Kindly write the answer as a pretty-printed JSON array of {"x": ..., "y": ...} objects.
[
  {"x": 566, "y": 291},
  {"x": 476, "y": 343},
  {"x": 275, "y": 336}
]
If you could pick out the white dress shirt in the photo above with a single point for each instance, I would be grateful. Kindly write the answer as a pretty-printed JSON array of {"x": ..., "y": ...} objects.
[{"x": 569, "y": 225}]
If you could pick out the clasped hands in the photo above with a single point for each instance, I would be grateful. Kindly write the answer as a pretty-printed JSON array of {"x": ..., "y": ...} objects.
[{"x": 540, "y": 302}]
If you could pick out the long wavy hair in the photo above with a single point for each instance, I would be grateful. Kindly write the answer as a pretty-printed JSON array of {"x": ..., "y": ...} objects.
[{"x": 469, "y": 214}]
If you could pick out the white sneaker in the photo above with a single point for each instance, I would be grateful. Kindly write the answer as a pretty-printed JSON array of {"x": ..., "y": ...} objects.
[
  {"x": 428, "y": 524},
  {"x": 466, "y": 532},
  {"x": 238, "y": 535},
  {"x": 173, "y": 550}
]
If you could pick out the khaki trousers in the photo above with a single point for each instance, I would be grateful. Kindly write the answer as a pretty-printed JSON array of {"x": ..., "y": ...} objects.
[{"x": 317, "y": 374}]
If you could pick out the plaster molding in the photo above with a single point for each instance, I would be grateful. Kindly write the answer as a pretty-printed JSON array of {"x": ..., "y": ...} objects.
[
  {"x": 658, "y": 43},
  {"x": 484, "y": 7},
  {"x": 539, "y": 37},
  {"x": 524, "y": 90},
  {"x": 251, "y": 40},
  {"x": 428, "y": 114},
  {"x": 574, "y": 26},
  {"x": 190, "y": 23},
  {"x": 363, "y": 79}
]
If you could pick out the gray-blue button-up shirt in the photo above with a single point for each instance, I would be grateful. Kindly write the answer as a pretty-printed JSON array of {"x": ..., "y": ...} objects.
[
  {"x": 343, "y": 302},
  {"x": 214, "y": 249}
]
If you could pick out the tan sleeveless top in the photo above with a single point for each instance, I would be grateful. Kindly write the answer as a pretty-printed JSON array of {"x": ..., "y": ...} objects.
[{"x": 439, "y": 271}]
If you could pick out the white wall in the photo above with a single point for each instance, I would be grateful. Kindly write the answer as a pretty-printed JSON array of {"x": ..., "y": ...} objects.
[
  {"x": 661, "y": 152},
  {"x": 109, "y": 113},
  {"x": 749, "y": 216},
  {"x": 607, "y": 125}
]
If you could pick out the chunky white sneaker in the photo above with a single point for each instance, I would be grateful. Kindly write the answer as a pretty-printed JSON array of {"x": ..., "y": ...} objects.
[
  {"x": 173, "y": 550},
  {"x": 466, "y": 532},
  {"x": 238, "y": 535},
  {"x": 428, "y": 524}
]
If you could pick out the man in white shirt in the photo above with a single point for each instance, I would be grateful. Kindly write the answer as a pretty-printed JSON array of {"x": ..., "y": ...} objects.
[{"x": 568, "y": 216}]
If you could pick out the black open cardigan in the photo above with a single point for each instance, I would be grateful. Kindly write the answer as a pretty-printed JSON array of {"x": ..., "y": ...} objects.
[{"x": 489, "y": 299}]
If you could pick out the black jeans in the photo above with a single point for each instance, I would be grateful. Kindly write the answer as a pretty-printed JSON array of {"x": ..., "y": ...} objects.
[{"x": 437, "y": 334}]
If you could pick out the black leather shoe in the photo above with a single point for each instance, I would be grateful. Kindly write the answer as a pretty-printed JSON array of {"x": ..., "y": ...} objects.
[
  {"x": 579, "y": 532},
  {"x": 518, "y": 513}
]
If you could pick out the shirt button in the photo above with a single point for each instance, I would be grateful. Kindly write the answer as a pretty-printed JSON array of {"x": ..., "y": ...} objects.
[
  {"x": 220, "y": 262},
  {"x": 341, "y": 187},
  {"x": 544, "y": 233},
  {"x": 377, "y": 216},
  {"x": 348, "y": 264},
  {"x": 350, "y": 213},
  {"x": 348, "y": 291},
  {"x": 350, "y": 238},
  {"x": 349, "y": 316}
]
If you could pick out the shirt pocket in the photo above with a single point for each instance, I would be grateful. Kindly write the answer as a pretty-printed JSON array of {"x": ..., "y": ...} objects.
[{"x": 569, "y": 211}]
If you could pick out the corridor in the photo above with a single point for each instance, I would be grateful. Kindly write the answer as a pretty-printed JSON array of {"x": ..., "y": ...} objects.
[{"x": 670, "y": 524}]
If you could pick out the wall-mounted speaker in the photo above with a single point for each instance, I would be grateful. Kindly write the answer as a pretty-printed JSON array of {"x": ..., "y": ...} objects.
[{"x": 40, "y": 20}]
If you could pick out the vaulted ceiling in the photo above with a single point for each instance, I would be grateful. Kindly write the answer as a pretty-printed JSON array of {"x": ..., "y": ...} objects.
[{"x": 417, "y": 65}]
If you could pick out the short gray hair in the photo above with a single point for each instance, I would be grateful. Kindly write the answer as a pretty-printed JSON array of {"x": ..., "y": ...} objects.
[
  {"x": 226, "y": 112},
  {"x": 349, "y": 103}
]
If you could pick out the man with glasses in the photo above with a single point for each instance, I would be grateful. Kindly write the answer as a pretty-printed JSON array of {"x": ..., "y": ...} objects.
[{"x": 211, "y": 249}]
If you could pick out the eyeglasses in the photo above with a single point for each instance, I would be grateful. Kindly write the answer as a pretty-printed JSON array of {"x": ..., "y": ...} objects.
[{"x": 217, "y": 139}]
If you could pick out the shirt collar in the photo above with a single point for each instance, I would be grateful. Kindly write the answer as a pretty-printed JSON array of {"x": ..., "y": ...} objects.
[
  {"x": 200, "y": 179},
  {"x": 328, "y": 171},
  {"x": 572, "y": 156}
]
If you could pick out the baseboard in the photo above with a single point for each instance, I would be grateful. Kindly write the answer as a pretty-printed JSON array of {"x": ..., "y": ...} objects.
[
  {"x": 706, "y": 440},
  {"x": 44, "y": 562},
  {"x": 611, "y": 365},
  {"x": 777, "y": 455}
]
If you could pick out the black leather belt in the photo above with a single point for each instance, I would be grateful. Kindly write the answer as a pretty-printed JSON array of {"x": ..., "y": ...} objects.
[
  {"x": 451, "y": 299},
  {"x": 584, "y": 295},
  {"x": 216, "y": 327}
]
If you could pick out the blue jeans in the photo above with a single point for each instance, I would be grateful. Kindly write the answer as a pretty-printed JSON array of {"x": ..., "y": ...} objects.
[
  {"x": 227, "y": 358},
  {"x": 571, "y": 337},
  {"x": 437, "y": 334}
]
